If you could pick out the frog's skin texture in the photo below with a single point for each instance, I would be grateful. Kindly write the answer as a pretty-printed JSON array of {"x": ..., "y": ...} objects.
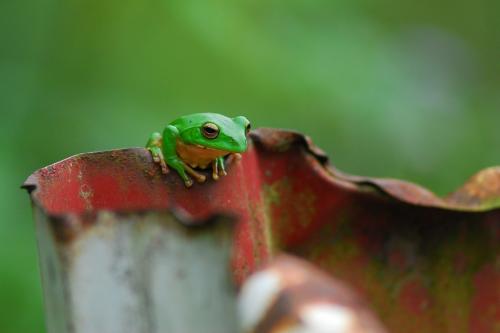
[{"x": 199, "y": 140}]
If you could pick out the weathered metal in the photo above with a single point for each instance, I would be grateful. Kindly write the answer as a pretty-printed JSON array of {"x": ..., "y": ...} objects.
[
  {"x": 424, "y": 263},
  {"x": 135, "y": 272},
  {"x": 291, "y": 295}
]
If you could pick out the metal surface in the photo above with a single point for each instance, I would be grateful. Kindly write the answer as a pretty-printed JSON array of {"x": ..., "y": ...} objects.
[
  {"x": 135, "y": 272},
  {"x": 424, "y": 263},
  {"x": 291, "y": 295}
]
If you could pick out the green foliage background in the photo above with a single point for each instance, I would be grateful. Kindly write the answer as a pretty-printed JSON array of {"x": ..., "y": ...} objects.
[{"x": 388, "y": 88}]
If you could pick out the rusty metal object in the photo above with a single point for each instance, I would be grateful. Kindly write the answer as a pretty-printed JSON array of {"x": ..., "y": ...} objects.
[
  {"x": 424, "y": 263},
  {"x": 135, "y": 272},
  {"x": 291, "y": 295}
]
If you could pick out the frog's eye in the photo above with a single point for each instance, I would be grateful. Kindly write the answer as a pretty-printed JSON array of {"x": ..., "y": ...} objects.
[
  {"x": 210, "y": 130},
  {"x": 248, "y": 128}
]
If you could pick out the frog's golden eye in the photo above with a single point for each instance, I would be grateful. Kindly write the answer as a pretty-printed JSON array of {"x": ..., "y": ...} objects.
[
  {"x": 210, "y": 130},
  {"x": 248, "y": 128}
]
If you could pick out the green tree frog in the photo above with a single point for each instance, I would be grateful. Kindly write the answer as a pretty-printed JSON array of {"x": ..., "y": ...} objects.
[{"x": 198, "y": 141}]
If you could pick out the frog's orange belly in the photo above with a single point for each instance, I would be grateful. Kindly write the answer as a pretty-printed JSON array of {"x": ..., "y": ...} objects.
[{"x": 198, "y": 156}]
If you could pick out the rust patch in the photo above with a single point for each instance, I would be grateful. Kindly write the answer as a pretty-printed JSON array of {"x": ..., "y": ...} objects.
[
  {"x": 414, "y": 297},
  {"x": 481, "y": 190},
  {"x": 485, "y": 316}
]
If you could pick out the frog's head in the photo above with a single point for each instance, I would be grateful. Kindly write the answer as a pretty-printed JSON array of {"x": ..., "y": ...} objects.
[{"x": 216, "y": 131}]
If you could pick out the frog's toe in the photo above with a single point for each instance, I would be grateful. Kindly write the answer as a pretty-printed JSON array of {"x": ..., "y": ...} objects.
[
  {"x": 201, "y": 178},
  {"x": 163, "y": 164},
  {"x": 198, "y": 176},
  {"x": 222, "y": 172},
  {"x": 215, "y": 176},
  {"x": 164, "y": 167},
  {"x": 188, "y": 182},
  {"x": 158, "y": 158}
]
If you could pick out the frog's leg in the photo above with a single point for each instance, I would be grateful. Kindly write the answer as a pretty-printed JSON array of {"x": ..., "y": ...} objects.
[
  {"x": 170, "y": 136},
  {"x": 218, "y": 168},
  {"x": 154, "y": 146},
  {"x": 222, "y": 167},
  {"x": 179, "y": 166},
  {"x": 215, "y": 168},
  {"x": 198, "y": 176}
]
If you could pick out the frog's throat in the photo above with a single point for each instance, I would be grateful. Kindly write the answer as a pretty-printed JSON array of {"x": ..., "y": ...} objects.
[{"x": 198, "y": 156}]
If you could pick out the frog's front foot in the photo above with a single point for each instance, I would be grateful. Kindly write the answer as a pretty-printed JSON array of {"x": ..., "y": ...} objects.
[
  {"x": 218, "y": 168},
  {"x": 215, "y": 169},
  {"x": 154, "y": 146},
  {"x": 158, "y": 158}
]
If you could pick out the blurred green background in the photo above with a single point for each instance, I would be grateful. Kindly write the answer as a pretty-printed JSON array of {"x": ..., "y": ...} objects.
[{"x": 386, "y": 88}]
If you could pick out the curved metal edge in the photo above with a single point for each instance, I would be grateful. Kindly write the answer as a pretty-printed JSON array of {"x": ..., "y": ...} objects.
[
  {"x": 480, "y": 193},
  {"x": 65, "y": 226}
]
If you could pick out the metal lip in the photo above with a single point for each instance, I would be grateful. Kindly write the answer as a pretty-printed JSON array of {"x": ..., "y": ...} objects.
[{"x": 481, "y": 193}]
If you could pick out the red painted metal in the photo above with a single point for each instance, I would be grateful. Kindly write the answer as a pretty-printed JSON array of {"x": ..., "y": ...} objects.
[{"x": 425, "y": 264}]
